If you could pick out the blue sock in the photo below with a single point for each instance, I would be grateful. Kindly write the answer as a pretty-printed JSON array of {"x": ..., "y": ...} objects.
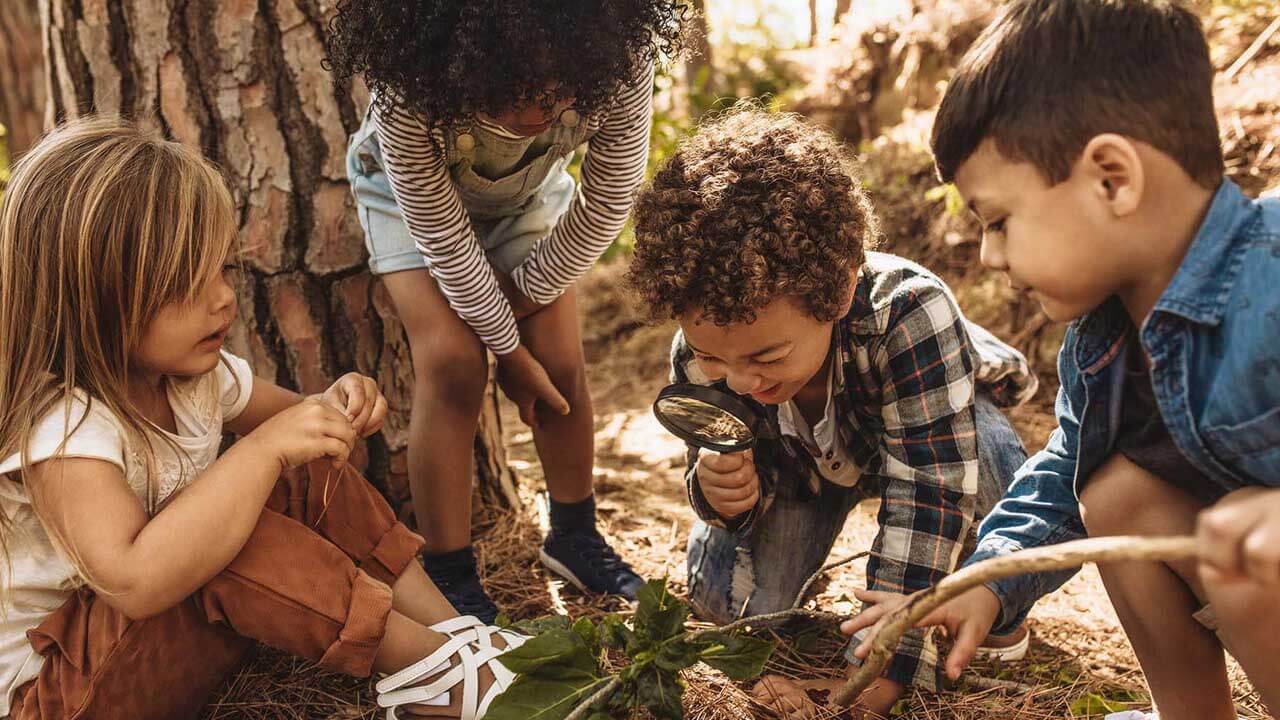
[
  {"x": 573, "y": 517},
  {"x": 449, "y": 566}
]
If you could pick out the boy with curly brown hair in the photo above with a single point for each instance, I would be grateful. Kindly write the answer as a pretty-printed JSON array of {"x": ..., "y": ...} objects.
[{"x": 755, "y": 237}]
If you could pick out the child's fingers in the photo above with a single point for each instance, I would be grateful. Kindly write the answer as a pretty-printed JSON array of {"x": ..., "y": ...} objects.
[
  {"x": 1220, "y": 532},
  {"x": 865, "y": 619},
  {"x": 721, "y": 463},
  {"x": 355, "y": 392},
  {"x": 967, "y": 639},
  {"x": 875, "y": 597},
  {"x": 1262, "y": 554},
  {"x": 360, "y": 419},
  {"x": 377, "y": 416},
  {"x": 527, "y": 414}
]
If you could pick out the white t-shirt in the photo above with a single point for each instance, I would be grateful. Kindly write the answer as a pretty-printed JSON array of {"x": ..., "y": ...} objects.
[
  {"x": 823, "y": 440},
  {"x": 42, "y": 579}
]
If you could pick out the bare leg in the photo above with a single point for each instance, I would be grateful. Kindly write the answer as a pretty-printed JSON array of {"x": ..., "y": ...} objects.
[
  {"x": 566, "y": 443},
  {"x": 450, "y": 374},
  {"x": 1183, "y": 661},
  {"x": 1249, "y": 623},
  {"x": 417, "y": 598}
]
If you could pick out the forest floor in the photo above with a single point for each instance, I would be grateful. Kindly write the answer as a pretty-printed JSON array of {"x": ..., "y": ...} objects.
[{"x": 1080, "y": 664}]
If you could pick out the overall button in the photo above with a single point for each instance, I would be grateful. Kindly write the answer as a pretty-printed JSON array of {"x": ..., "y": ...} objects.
[
  {"x": 466, "y": 142},
  {"x": 570, "y": 118}
]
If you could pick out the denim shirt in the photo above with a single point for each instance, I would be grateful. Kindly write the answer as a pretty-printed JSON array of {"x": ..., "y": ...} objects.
[{"x": 1215, "y": 369}]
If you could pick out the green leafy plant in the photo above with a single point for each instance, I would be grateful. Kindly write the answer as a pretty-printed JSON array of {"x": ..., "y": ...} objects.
[{"x": 561, "y": 674}]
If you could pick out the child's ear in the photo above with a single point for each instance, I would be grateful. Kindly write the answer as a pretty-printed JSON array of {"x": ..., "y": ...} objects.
[
  {"x": 1113, "y": 169},
  {"x": 853, "y": 289}
]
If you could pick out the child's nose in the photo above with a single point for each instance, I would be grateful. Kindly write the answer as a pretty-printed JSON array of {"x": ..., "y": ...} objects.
[
  {"x": 743, "y": 383},
  {"x": 992, "y": 252}
]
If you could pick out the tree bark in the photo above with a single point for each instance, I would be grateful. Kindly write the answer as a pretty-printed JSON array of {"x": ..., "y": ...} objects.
[
  {"x": 842, "y": 7},
  {"x": 813, "y": 22},
  {"x": 242, "y": 80},
  {"x": 22, "y": 76},
  {"x": 699, "y": 64}
]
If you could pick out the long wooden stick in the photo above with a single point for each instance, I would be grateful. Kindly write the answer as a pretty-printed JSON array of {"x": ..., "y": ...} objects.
[{"x": 1051, "y": 557}]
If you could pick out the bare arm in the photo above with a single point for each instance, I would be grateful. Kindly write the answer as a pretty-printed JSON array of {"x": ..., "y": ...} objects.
[
  {"x": 144, "y": 566},
  {"x": 266, "y": 400}
]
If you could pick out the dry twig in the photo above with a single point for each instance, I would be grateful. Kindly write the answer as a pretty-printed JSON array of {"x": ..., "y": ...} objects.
[{"x": 1052, "y": 557}]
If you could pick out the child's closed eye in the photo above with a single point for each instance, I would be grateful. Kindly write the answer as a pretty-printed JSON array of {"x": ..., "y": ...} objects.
[{"x": 995, "y": 227}]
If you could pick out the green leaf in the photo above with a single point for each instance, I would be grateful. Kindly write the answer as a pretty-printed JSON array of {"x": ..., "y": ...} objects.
[
  {"x": 537, "y": 626},
  {"x": 667, "y": 622},
  {"x": 1095, "y": 704},
  {"x": 660, "y": 692},
  {"x": 616, "y": 635},
  {"x": 650, "y": 599},
  {"x": 739, "y": 656},
  {"x": 535, "y": 698},
  {"x": 555, "y": 654},
  {"x": 587, "y": 631},
  {"x": 659, "y": 615},
  {"x": 676, "y": 655}
]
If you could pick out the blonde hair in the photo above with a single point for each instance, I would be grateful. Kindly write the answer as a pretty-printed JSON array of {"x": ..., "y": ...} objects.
[{"x": 102, "y": 225}]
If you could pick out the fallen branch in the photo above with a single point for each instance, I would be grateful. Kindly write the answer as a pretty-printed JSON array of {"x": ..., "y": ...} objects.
[
  {"x": 1253, "y": 49},
  {"x": 1052, "y": 557}
]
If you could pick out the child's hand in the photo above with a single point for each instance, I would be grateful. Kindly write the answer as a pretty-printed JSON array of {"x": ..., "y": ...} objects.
[
  {"x": 728, "y": 480},
  {"x": 525, "y": 381},
  {"x": 1240, "y": 536},
  {"x": 968, "y": 619},
  {"x": 310, "y": 430},
  {"x": 360, "y": 401}
]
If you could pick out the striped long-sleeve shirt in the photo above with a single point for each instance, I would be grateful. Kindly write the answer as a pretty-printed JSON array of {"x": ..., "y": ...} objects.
[{"x": 612, "y": 170}]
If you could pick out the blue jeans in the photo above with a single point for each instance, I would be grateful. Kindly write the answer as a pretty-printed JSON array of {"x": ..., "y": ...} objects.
[{"x": 792, "y": 540}]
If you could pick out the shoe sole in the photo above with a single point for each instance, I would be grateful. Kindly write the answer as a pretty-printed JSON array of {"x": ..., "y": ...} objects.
[
  {"x": 1013, "y": 653},
  {"x": 560, "y": 569}
]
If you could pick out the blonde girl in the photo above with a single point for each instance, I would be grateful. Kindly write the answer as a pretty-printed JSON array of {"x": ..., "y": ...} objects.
[{"x": 140, "y": 564}]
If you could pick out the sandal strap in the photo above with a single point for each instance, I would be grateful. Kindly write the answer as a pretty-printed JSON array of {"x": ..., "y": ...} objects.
[
  {"x": 473, "y": 645},
  {"x": 457, "y": 624}
]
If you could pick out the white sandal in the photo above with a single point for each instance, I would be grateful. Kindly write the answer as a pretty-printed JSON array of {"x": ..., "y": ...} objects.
[{"x": 472, "y": 642}]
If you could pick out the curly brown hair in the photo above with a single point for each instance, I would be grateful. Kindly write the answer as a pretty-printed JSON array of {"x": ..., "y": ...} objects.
[{"x": 752, "y": 207}]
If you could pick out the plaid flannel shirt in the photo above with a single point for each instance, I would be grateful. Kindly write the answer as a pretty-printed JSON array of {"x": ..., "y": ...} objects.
[{"x": 909, "y": 365}]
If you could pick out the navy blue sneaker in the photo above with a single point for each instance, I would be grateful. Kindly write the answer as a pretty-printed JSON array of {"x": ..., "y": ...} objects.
[
  {"x": 584, "y": 558},
  {"x": 465, "y": 593}
]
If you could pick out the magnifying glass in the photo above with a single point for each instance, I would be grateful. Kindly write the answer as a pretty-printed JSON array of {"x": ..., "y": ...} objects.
[{"x": 709, "y": 417}]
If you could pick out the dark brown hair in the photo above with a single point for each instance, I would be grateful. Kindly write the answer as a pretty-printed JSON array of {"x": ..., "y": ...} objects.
[
  {"x": 447, "y": 60},
  {"x": 752, "y": 207},
  {"x": 1049, "y": 75}
]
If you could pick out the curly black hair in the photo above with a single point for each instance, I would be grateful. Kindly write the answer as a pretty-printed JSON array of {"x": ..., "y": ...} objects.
[
  {"x": 446, "y": 60},
  {"x": 753, "y": 207}
]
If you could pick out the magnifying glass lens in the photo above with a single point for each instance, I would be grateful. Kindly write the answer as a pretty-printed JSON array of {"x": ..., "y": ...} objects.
[{"x": 704, "y": 420}]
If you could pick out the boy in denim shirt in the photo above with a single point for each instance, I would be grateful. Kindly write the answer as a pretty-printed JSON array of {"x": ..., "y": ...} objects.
[
  {"x": 754, "y": 236},
  {"x": 1083, "y": 136}
]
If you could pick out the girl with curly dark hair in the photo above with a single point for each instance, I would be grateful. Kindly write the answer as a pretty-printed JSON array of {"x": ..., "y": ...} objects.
[{"x": 479, "y": 232}]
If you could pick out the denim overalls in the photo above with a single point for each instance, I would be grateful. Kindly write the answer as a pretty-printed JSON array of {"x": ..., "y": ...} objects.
[{"x": 513, "y": 189}]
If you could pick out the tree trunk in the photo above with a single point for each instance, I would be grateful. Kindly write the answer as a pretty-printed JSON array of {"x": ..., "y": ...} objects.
[
  {"x": 813, "y": 22},
  {"x": 842, "y": 7},
  {"x": 22, "y": 80},
  {"x": 699, "y": 63},
  {"x": 242, "y": 80}
]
